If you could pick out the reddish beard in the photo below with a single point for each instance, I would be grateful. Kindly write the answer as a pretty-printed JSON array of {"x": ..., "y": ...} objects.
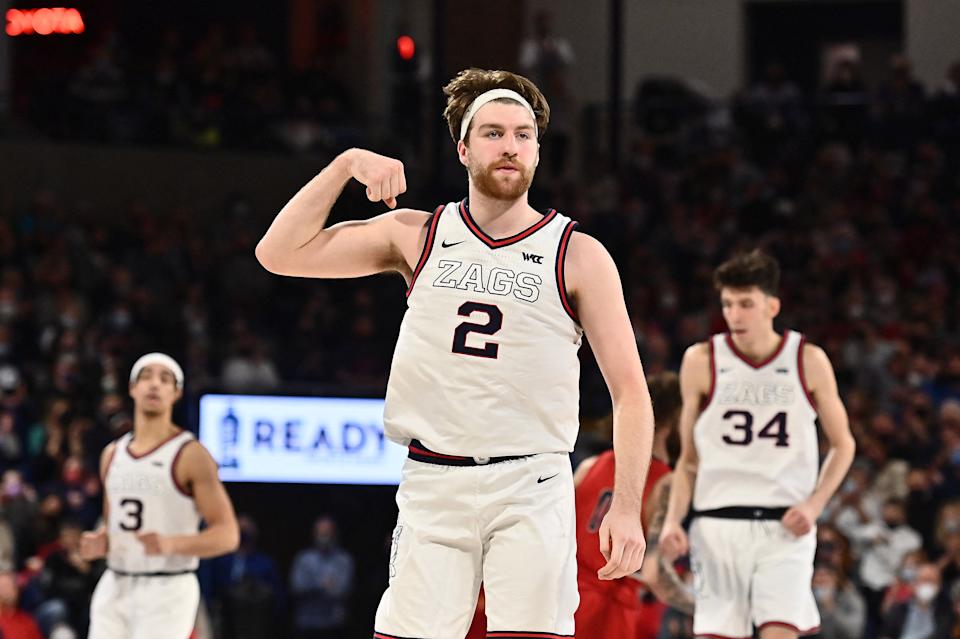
[{"x": 501, "y": 186}]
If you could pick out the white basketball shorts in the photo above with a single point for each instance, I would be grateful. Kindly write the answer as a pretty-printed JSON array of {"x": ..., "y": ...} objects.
[
  {"x": 510, "y": 524},
  {"x": 142, "y": 607},
  {"x": 751, "y": 573}
]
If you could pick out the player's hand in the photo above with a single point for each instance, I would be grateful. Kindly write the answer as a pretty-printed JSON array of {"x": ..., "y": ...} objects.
[
  {"x": 800, "y": 519},
  {"x": 621, "y": 542},
  {"x": 383, "y": 176},
  {"x": 673, "y": 541},
  {"x": 93, "y": 545},
  {"x": 154, "y": 544}
]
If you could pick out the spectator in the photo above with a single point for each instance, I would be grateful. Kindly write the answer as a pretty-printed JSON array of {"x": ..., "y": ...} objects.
[
  {"x": 885, "y": 544},
  {"x": 927, "y": 615},
  {"x": 14, "y": 623},
  {"x": 843, "y": 612},
  {"x": 246, "y": 588},
  {"x": 320, "y": 583}
]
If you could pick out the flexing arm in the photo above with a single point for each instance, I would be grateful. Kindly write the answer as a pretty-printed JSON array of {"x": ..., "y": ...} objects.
[
  {"x": 657, "y": 572},
  {"x": 603, "y": 315},
  {"x": 297, "y": 244},
  {"x": 197, "y": 470},
  {"x": 822, "y": 385},
  {"x": 695, "y": 376},
  {"x": 94, "y": 545}
]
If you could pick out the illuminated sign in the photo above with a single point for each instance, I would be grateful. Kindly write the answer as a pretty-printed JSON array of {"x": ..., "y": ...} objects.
[
  {"x": 44, "y": 21},
  {"x": 306, "y": 440}
]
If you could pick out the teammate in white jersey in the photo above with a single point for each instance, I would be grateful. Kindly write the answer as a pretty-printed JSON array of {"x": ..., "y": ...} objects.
[
  {"x": 751, "y": 398},
  {"x": 484, "y": 381},
  {"x": 159, "y": 482}
]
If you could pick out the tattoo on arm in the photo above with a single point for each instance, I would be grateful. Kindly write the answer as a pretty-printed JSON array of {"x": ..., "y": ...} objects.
[{"x": 673, "y": 590}]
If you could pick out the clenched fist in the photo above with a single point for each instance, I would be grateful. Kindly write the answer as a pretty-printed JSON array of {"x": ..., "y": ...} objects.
[
  {"x": 382, "y": 176},
  {"x": 93, "y": 545}
]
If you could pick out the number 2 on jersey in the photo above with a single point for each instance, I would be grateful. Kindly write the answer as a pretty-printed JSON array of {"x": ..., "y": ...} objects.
[
  {"x": 494, "y": 324},
  {"x": 776, "y": 428}
]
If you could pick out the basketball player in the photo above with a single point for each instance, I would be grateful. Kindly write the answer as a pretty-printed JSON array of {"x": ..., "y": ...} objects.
[
  {"x": 616, "y": 609},
  {"x": 484, "y": 382},
  {"x": 749, "y": 451},
  {"x": 158, "y": 483}
]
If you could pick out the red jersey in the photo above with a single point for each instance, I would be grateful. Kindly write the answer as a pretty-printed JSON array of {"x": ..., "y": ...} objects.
[{"x": 602, "y": 602}]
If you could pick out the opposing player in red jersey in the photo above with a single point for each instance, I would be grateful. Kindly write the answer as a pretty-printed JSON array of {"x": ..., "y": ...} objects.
[{"x": 616, "y": 609}]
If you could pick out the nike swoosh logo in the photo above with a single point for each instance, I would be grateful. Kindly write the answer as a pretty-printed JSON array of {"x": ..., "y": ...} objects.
[
  {"x": 445, "y": 245},
  {"x": 543, "y": 479}
]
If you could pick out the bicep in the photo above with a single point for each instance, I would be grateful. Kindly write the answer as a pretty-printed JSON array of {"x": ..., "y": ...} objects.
[
  {"x": 695, "y": 376},
  {"x": 823, "y": 387},
  {"x": 357, "y": 248},
  {"x": 210, "y": 496},
  {"x": 603, "y": 315}
]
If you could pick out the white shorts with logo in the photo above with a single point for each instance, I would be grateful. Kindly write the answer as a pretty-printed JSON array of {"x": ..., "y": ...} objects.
[
  {"x": 751, "y": 573},
  {"x": 510, "y": 524},
  {"x": 144, "y": 607}
]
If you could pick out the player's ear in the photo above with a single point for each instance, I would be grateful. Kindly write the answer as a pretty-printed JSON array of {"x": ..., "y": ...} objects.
[
  {"x": 773, "y": 306},
  {"x": 462, "y": 150}
]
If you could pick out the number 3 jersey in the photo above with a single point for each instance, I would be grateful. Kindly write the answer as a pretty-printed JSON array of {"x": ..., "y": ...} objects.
[
  {"x": 756, "y": 438},
  {"x": 144, "y": 497},
  {"x": 486, "y": 361}
]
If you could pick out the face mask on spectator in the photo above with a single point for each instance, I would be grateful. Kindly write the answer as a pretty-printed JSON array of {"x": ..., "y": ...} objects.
[
  {"x": 925, "y": 593},
  {"x": 824, "y": 592}
]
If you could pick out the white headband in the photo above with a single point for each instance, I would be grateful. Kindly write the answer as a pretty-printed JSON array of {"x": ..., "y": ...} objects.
[
  {"x": 490, "y": 96},
  {"x": 162, "y": 360}
]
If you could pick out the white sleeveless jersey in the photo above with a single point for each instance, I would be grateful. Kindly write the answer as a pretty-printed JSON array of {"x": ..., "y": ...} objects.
[
  {"x": 486, "y": 361},
  {"x": 144, "y": 497},
  {"x": 756, "y": 438}
]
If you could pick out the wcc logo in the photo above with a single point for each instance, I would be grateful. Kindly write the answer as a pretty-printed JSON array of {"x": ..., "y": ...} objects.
[{"x": 530, "y": 257}]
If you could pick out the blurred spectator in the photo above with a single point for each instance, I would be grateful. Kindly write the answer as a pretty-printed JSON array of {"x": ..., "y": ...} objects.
[
  {"x": 66, "y": 583},
  {"x": 928, "y": 614},
  {"x": 320, "y": 583},
  {"x": 843, "y": 612},
  {"x": 246, "y": 588},
  {"x": 14, "y": 623},
  {"x": 884, "y": 543},
  {"x": 546, "y": 59}
]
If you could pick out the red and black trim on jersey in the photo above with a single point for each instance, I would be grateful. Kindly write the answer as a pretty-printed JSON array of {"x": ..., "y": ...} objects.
[
  {"x": 507, "y": 241},
  {"x": 803, "y": 376},
  {"x": 427, "y": 247},
  {"x": 743, "y": 357},
  {"x": 139, "y": 456},
  {"x": 383, "y": 635},
  {"x": 521, "y": 634},
  {"x": 186, "y": 491},
  {"x": 713, "y": 377},
  {"x": 561, "y": 266}
]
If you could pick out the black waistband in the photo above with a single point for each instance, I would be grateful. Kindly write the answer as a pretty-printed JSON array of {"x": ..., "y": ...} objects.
[
  {"x": 741, "y": 512},
  {"x": 124, "y": 573},
  {"x": 418, "y": 452}
]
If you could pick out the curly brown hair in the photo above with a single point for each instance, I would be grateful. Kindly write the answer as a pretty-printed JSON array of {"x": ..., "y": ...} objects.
[
  {"x": 470, "y": 83},
  {"x": 665, "y": 396},
  {"x": 747, "y": 270}
]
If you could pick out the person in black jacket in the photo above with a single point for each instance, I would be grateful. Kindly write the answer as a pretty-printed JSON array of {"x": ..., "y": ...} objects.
[{"x": 928, "y": 614}]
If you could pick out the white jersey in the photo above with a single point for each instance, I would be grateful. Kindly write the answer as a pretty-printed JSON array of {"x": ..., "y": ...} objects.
[
  {"x": 756, "y": 438},
  {"x": 144, "y": 497},
  {"x": 486, "y": 361}
]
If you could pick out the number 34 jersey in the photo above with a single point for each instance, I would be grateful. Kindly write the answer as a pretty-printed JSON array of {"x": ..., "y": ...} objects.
[
  {"x": 486, "y": 361},
  {"x": 144, "y": 497},
  {"x": 756, "y": 438}
]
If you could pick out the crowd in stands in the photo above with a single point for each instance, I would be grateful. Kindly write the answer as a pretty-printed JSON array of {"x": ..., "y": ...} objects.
[{"x": 856, "y": 194}]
